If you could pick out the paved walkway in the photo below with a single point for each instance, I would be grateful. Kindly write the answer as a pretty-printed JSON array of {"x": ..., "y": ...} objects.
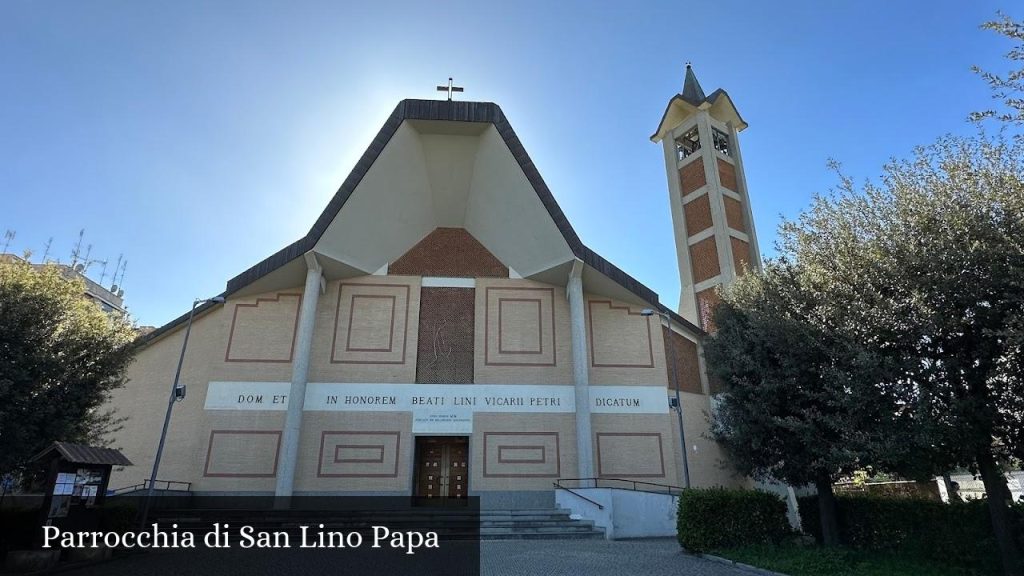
[
  {"x": 656, "y": 557},
  {"x": 653, "y": 557}
]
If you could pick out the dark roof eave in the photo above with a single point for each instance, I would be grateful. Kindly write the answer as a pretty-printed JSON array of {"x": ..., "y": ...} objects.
[
  {"x": 696, "y": 104},
  {"x": 168, "y": 327},
  {"x": 434, "y": 110},
  {"x": 83, "y": 454}
]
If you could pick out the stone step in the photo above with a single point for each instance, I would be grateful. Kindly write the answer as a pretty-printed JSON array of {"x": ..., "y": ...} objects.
[
  {"x": 405, "y": 509},
  {"x": 534, "y": 529},
  {"x": 529, "y": 523},
  {"x": 273, "y": 518},
  {"x": 450, "y": 523},
  {"x": 203, "y": 527},
  {"x": 592, "y": 535},
  {"x": 358, "y": 520}
]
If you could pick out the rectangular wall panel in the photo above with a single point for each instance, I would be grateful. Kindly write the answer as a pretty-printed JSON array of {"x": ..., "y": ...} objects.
[
  {"x": 370, "y": 324},
  {"x": 446, "y": 336},
  {"x": 242, "y": 454},
  {"x": 359, "y": 454},
  {"x": 521, "y": 455},
  {"x": 630, "y": 455}
]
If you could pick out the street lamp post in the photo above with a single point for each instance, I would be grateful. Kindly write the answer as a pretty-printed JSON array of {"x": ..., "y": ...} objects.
[
  {"x": 675, "y": 381},
  {"x": 170, "y": 405}
]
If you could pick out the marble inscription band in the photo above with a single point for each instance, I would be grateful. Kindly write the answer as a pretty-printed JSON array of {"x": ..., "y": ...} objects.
[{"x": 417, "y": 397}]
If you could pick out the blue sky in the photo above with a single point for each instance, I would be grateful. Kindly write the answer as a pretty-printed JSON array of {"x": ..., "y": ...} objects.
[{"x": 197, "y": 138}]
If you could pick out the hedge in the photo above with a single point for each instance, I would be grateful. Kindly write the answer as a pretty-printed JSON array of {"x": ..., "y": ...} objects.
[
  {"x": 714, "y": 518},
  {"x": 19, "y": 527},
  {"x": 958, "y": 533}
]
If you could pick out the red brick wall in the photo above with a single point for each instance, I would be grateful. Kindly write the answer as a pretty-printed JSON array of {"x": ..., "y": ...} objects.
[
  {"x": 692, "y": 176},
  {"x": 449, "y": 252},
  {"x": 706, "y": 302},
  {"x": 687, "y": 366},
  {"x": 704, "y": 259},
  {"x": 727, "y": 175},
  {"x": 444, "y": 353},
  {"x": 698, "y": 214},
  {"x": 740, "y": 254},
  {"x": 734, "y": 214}
]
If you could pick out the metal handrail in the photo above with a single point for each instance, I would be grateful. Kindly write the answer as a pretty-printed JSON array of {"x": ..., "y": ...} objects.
[
  {"x": 578, "y": 495},
  {"x": 662, "y": 488},
  {"x": 145, "y": 484}
]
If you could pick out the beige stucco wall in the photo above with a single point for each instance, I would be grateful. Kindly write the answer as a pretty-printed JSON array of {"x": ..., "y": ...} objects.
[
  {"x": 366, "y": 332},
  {"x": 385, "y": 436},
  {"x": 522, "y": 333},
  {"x": 624, "y": 347},
  {"x": 143, "y": 399},
  {"x": 499, "y": 439},
  {"x": 709, "y": 465}
]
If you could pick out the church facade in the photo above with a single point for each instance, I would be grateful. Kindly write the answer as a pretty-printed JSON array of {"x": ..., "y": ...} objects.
[{"x": 442, "y": 331}]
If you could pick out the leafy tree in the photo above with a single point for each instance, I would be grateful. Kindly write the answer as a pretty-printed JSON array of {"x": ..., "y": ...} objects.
[
  {"x": 799, "y": 406},
  {"x": 60, "y": 357},
  {"x": 929, "y": 267},
  {"x": 1008, "y": 88}
]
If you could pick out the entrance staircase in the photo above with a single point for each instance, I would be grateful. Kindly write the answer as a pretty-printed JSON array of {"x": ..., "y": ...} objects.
[
  {"x": 534, "y": 524},
  {"x": 453, "y": 523}
]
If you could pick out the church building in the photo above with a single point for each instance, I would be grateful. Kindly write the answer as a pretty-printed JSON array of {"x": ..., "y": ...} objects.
[{"x": 442, "y": 331}]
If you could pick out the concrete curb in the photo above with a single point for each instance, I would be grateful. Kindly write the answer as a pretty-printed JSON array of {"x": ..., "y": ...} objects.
[
  {"x": 69, "y": 566},
  {"x": 747, "y": 567}
]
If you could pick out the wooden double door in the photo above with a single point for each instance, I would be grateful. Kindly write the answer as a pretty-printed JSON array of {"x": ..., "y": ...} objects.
[{"x": 442, "y": 469}]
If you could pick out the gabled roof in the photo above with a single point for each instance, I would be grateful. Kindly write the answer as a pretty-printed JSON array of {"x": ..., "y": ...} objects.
[
  {"x": 691, "y": 99},
  {"x": 82, "y": 454},
  {"x": 482, "y": 112}
]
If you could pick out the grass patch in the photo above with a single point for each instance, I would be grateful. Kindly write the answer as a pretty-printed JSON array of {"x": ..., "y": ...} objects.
[{"x": 801, "y": 560}]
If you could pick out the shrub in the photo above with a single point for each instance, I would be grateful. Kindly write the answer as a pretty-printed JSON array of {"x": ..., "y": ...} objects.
[
  {"x": 958, "y": 533},
  {"x": 18, "y": 527},
  {"x": 712, "y": 518},
  {"x": 117, "y": 517}
]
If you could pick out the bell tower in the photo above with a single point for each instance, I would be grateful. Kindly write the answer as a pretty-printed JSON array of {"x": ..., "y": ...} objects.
[{"x": 714, "y": 228}]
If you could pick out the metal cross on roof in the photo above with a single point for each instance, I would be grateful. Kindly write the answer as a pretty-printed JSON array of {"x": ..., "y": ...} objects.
[{"x": 449, "y": 89}]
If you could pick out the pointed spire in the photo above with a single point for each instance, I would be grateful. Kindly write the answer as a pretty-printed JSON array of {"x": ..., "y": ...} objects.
[{"x": 691, "y": 88}]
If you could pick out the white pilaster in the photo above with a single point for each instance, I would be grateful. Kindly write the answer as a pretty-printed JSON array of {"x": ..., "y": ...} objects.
[
  {"x": 300, "y": 376},
  {"x": 580, "y": 371},
  {"x": 715, "y": 196},
  {"x": 741, "y": 178},
  {"x": 687, "y": 302}
]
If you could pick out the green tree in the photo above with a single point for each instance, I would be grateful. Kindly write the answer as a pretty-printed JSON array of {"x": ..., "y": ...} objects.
[
  {"x": 1008, "y": 87},
  {"x": 799, "y": 406},
  {"x": 60, "y": 357},
  {"x": 928, "y": 265}
]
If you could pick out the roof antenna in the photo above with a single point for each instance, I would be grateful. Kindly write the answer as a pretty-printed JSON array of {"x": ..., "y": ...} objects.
[
  {"x": 103, "y": 270},
  {"x": 86, "y": 262},
  {"x": 46, "y": 251},
  {"x": 78, "y": 249},
  {"x": 8, "y": 238},
  {"x": 113, "y": 277},
  {"x": 115, "y": 288}
]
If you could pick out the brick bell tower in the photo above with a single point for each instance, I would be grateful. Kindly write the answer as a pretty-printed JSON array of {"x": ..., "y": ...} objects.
[{"x": 714, "y": 229}]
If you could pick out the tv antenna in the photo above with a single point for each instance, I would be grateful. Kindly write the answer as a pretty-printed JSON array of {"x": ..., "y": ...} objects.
[
  {"x": 8, "y": 238},
  {"x": 118, "y": 277},
  {"x": 83, "y": 267},
  {"x": 103, "y": 270},
  {"x": 113, "y": 277},
  {"x": 120, "y": 291},
  {"x": 77, "y": 252},
  {"x": 46, "y": 251}
]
